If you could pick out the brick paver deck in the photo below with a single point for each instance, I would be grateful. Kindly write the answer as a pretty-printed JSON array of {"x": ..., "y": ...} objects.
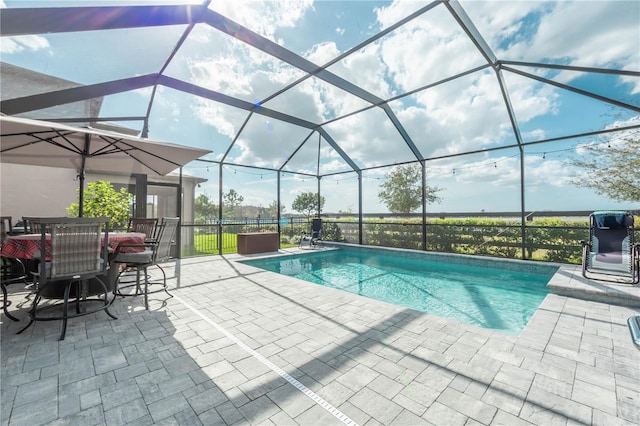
[{"x": 237, "y": 345}]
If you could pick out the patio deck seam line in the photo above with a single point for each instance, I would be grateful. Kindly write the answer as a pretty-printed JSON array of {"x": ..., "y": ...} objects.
[{"x": 302, "y": 388}]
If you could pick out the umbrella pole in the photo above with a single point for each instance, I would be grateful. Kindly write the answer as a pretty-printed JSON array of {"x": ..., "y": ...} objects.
[
  {"x": 81, "y": 200},
  {"x": 87, "y": 141}
]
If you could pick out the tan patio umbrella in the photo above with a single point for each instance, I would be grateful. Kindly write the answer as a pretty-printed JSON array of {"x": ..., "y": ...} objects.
[{"x": 42, "y": 143}]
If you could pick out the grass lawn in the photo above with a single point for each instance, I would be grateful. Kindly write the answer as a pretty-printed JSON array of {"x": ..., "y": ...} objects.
[{"x": 208, "y": 244}]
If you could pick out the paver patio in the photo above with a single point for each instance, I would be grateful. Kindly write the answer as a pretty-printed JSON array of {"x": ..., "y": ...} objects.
[{"x": 237, "y": 345}]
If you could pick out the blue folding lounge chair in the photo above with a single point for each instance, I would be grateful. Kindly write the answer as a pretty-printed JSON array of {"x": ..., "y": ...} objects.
[
  {"x": 315, "y": 237},
  {"x": 610, "y": 250},
  {"x": 316, "y": 230}
]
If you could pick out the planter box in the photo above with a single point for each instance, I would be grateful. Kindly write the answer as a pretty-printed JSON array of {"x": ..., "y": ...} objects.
[{"x": 258, "y": 242}]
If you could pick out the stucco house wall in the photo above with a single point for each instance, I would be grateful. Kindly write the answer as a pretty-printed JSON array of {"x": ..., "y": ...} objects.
[{"x": 48, "y": 191}]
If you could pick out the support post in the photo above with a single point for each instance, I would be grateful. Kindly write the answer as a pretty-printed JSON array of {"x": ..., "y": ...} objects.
[
  {"x": 220, "y": 209},
  {"x": 140, "y": 191},
  {"x": 180, "y": 210},
  {"x": 278, "y": 212},
  {"x": 523, "y": 232},
  {"x": 424, "y": 205},
  {"x": 360, "y": 216},
  {"x": 319, "y": 197}
]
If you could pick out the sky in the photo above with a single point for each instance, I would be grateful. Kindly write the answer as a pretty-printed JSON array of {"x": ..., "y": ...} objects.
[{"x": 467, "y": 114}]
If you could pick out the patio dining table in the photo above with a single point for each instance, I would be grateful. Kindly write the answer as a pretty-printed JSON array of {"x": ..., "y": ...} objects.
[{"x": 27, "y": 246}]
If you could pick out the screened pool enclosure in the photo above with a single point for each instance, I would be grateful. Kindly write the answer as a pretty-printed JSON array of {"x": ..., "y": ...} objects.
[{"x": 497, "y": 103}]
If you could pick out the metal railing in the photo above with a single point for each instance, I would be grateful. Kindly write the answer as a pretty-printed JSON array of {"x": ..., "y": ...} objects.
[{"x": 222, "y": 236}]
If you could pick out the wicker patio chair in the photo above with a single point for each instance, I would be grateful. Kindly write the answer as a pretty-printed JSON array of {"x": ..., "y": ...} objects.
[
  {"x": 136, "y": 263},
  {"x": 147, "y": 226},
  {"x": 31, "y": 225},
  {"x": 73, "y": 260}
]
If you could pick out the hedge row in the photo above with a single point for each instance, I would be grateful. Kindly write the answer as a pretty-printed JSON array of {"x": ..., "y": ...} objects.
[{"x": 545, "y": 239}]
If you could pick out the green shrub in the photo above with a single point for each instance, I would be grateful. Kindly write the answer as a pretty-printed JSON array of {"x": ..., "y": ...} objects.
[
  {"x": 549, "y": 239},
  {"x": 331, "y": 232}
]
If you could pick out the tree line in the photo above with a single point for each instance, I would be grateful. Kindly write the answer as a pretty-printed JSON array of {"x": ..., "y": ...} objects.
[{"x": 206, "y": 210}]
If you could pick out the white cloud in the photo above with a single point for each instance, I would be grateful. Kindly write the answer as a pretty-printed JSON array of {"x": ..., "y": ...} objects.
[
  {"x": 21, "y": 43},
  {"x": 18, "y": 44},
  {"x": 335, "y": 165},
  {"x": 366, "y": 69},
  {"x": 531, "y": 99},
  {"x": 370, "y": 139},
  {"x": 226, "y": 120},
  {"x": 494, "y": 27},
  {"x": 265, "y": 142},
  {"x": 304, "y": 101},
  {"x": 590, "y": 34},
  {"x": 463, "y": 115},
  {"x": 545, "y": 173},
  {"x": 397, "y": 10},
  {"x": 264, "y": 17},
  {"x": 600, "y": 34},
  {"x": 427, "y": 49}
]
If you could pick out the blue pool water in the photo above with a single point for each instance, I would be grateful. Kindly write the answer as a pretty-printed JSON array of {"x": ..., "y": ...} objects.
[{"x": 493, "y": 298}]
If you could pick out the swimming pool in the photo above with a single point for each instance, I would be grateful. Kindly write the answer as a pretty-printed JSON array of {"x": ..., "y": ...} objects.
[{"x": 501, "y": 296}]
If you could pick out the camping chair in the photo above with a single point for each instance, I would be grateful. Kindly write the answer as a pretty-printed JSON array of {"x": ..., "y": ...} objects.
[
  {"x": 316, "y": 231},
  {"x": 72, "y": 256},
  {"x": 305, "y": 241},
  {"x": 153, "y": 253},
  {"x": 610, "y": 250},
  {"x": 316, "y": 235}
]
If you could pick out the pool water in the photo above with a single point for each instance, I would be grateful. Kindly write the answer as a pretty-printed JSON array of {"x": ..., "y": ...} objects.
[{"x": 493, "y": 298}]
